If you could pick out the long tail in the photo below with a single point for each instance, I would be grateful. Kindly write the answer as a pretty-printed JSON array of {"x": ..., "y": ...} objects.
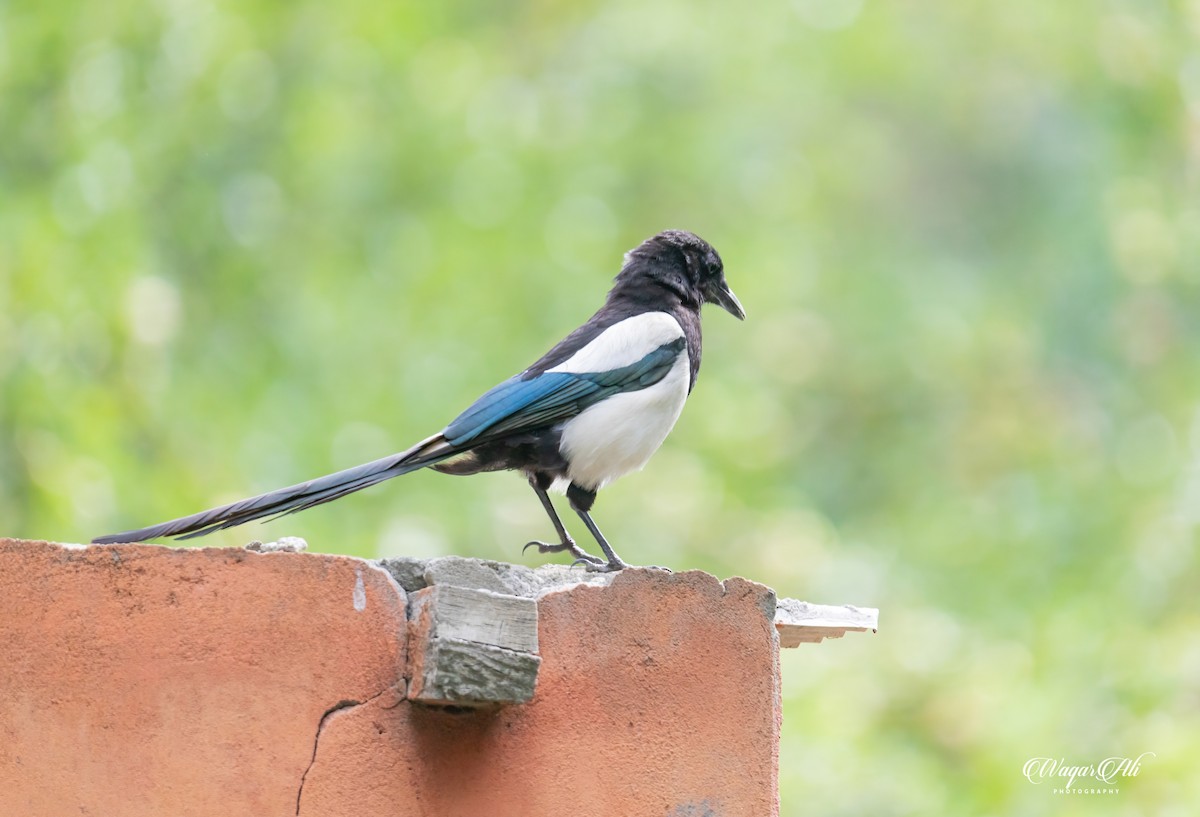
[{"x": 294, "y": 498}]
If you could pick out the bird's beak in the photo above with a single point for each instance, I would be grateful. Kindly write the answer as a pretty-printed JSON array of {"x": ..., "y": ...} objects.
[{"x": 723, "y": 296}]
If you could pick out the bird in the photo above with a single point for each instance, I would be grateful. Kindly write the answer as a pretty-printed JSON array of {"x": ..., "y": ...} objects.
[{"x": 592, "y": 409}]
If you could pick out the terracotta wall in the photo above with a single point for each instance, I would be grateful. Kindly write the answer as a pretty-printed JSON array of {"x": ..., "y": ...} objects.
[{"x": 140, "y": 680}]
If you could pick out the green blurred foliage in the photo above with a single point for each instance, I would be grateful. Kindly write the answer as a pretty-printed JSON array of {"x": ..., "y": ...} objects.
[{"x": 246, "y": 244}]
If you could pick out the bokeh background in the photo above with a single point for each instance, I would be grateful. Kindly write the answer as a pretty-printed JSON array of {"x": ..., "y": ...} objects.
[{"x": 245, "y": 244}]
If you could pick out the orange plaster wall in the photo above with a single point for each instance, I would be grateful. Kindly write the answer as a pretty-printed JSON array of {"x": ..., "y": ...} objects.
[{"x": 140, "y": 680}]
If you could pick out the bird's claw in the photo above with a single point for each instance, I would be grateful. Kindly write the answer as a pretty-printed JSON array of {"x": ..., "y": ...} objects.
[
  {"x": 581, "y": 555},
  {"x": 597, "y": 566}
]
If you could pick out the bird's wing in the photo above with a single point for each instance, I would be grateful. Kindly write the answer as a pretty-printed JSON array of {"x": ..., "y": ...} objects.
[{"x": 534, "y": 401}]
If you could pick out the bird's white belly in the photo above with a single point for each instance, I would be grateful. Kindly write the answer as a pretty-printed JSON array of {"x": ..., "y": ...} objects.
[{"x": 618, "y": 435}]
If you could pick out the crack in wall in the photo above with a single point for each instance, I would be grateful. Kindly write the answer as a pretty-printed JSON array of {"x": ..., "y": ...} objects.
[{"x": 338, "y": 707}]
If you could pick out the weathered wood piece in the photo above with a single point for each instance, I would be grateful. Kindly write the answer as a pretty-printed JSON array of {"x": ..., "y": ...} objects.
[
  {"x": 469, "y": 647},
  {"x": 799, "y": 622},
  {"x": 480, "y": 616}
]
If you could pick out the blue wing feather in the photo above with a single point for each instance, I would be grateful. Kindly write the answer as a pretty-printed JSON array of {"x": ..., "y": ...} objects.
[
  {"x": 509, "y": 399},
  {"x": 520, "y": 404}
]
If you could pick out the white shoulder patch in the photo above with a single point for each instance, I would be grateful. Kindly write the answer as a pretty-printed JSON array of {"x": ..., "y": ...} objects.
[{"x": 623, "y": 343}]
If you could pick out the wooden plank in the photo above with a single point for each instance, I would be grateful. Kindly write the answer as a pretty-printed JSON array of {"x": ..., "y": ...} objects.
[
  {"x": 464, "y": 673},
  {"x": 478, "y": 616},
  {"x": 471, "y": 647},
  {"x": 799, "y": 622}
]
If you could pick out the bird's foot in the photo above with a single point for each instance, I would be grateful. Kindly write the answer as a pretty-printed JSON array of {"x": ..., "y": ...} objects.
[
  {"x": 597, "y": 566},
  {"x": 581, "y": 555},
  {"x": 612, "y": 567}
]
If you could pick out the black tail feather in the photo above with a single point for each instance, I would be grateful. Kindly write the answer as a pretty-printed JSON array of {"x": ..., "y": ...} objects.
[{"x": 294, "y": 497}]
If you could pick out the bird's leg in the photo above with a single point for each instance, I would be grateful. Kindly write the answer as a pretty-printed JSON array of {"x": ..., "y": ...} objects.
[
  {"x": 614, "y": 561},
  {"x": 540, "y": 483},
  {"x": 581, "y": 501}
]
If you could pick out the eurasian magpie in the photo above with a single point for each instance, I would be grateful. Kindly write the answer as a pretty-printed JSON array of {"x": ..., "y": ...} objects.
[{"x": 593, "y": 408}]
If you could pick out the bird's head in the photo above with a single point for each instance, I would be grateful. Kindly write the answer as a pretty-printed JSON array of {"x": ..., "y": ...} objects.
[{"x": 685, "y": 264}]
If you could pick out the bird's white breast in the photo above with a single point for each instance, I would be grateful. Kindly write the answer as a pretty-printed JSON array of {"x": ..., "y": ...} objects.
[{"x": 618, "y": 435}]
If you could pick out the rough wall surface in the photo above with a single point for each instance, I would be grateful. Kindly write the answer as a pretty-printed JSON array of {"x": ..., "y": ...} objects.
[{"x": 139, "y": 680}]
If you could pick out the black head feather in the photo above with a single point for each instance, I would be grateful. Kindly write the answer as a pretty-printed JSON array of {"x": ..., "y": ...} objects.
[{"x": 684, "y": 265}]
